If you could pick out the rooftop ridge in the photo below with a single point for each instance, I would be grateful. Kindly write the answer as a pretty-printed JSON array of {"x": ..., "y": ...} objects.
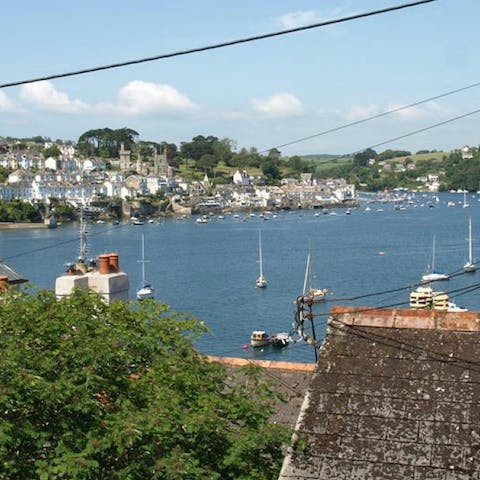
[
  {"x": 406, "y": 318},
  {"x": 240, "y": 362}
]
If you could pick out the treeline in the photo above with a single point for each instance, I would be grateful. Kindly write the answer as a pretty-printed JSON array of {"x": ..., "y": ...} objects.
[
  {"x": 202, "y": 153},
  {"x": 19, "y": 211},
  {"x": 454, "y": 171}
]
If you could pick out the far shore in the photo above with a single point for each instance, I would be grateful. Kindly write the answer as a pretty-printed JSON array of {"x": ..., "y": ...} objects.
[{"x": 21, "y": 225}]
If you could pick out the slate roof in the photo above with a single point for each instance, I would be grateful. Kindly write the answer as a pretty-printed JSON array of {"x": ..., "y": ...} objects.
[
  {"x": 396, "y": 396},
  {"x": 289, "y": 379}
]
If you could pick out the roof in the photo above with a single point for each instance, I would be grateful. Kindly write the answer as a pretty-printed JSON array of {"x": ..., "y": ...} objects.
[
  {"x": 14, "y": 278},
  {"x": 396, "y": 395},
  {"x": 286, "y": 378}
]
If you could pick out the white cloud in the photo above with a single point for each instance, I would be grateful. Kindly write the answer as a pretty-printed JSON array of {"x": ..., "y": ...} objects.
[
  {"x": 358, "y": 112},
  {"x": 301, "y": 18},
  {"x": 46, "y": 96},
  {"x": 7, "y": 104},
  {"x": 427, "y": 111},
  {"x": 138, "y": 98},
  {"x": 278, "y": 105}
]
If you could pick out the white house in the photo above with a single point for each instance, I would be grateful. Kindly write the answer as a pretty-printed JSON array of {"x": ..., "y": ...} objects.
[
  {"x": 51, "y": 163},
  {"x": 241, "y": 178}
]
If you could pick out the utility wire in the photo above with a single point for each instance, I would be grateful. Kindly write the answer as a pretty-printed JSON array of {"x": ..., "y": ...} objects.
[
  {"x": 218, "y": 45},
  {"x": 373, "y": 117}
]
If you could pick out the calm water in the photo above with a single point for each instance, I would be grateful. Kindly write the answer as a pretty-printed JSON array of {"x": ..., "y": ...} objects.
[{"x": 209, "y": 270}]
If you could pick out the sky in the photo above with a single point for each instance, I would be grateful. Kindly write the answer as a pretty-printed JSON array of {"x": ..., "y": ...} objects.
[{"x": 261, "y": 94}]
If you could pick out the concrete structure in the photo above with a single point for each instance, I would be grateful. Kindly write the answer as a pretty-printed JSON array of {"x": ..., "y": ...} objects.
[{"x": 107, "y": 281}]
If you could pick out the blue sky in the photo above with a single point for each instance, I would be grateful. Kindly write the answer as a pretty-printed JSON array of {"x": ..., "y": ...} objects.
[{"x": 260, "y": 94}]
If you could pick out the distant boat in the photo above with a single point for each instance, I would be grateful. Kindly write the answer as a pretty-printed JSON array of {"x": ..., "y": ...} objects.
[
  {"x": 137, "y": 221},
  {"x": 202, "y": 219},
  {"x": 433, "y": 275},
  {"x": 261, "y": 281},
  {"x": 146, "y": 290},
  {"x": 452, "y": 307},
  {"x": 470, "y": 265},
  {"x": 465, "y": 203},
  {"x": 50, "y": 222},
  {"x": 309, "y": 290},
  {"x": 259, "y": 338},
  {"x": 281, "y": 339}
]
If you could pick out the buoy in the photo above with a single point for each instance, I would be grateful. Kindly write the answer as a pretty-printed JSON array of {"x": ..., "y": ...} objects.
[{"x": 244, "y": 346}]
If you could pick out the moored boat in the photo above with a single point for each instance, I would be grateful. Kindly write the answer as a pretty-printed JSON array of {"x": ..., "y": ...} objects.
[
  {"x": 470, "y": 266},
  {"x": 146, "y": 290},
  {"x": 261, "y": 281},
  {"x": 433, "y": 275},
  {"x": 259, "y": 338},
  {"x": 281, "y": 339}
]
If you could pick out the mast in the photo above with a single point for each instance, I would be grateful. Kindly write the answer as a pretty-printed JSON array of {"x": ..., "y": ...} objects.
[
  {"x": 470, "y": 246},
  {"x": 82, "y": 254},
  {"x": 143, "y": 261},
  {"x": 260, "y": 252},
  {"x": 433, "y": 255},
  {"x": 307, "y": 273}
]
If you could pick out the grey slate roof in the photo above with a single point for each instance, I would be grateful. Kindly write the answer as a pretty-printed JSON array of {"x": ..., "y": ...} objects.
[{"x": 396, "y": 395}]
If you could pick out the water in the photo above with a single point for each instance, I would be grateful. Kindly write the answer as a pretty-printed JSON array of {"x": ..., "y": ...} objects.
[{"x": 209, "y": 270}]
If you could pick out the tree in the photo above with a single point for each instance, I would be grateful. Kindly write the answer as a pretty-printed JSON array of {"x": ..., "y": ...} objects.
[
  {"x": 52, "y": 151},
  {"x": 97, "y": 391},
  {"x": 361, "y": 159}
]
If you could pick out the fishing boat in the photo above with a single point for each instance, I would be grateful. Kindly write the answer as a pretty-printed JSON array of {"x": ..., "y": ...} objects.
[
  {"x": 259, "y": 338},
  {"x": 261, "y": 281},
  {"x": 146, "y": 290},
  {"x": 470, "y": 265},
  {"x": 281, "y": 339},
  {"x": 310, "y": 292},
  {"x": 433, "y": 275}
]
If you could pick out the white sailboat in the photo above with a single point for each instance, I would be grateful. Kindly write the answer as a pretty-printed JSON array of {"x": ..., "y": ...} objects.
[
  {"x": 470, "y": 265},
  {"x": 261, "y": 281},
  {"x": 433, "y": 275},
  {"x": 309, "y": 290},
  {"x": 146, "y": 290},
  {"x": 465, "y": 203}
]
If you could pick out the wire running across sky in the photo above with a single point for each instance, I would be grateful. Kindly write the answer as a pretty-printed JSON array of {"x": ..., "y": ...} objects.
[{"x": 218, "y": 45}]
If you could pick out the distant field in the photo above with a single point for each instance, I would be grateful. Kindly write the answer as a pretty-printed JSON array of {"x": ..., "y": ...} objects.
[
  {"x": 423, "y": 156},
  {"x": 325, "y": 161}
]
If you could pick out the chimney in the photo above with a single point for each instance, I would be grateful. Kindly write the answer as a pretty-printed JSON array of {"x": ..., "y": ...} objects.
[
  {"x": 3, "y": 282},
  {"x": 104, "y": 264},
  {"x": 113, "y": 262}
]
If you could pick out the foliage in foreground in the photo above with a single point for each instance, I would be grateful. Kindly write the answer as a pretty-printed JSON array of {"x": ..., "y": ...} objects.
[{"x": 96, "y": 391}]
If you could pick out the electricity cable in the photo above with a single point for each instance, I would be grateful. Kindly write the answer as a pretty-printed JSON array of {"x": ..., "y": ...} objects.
[
  {"x": 218, "y": 45},
  {"x": 373, "y": 117}
]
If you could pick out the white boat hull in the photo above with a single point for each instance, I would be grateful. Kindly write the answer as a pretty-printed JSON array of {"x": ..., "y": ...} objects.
[
  {"x": 434, "y": 277},
  {"x": 145, "y": 293}
]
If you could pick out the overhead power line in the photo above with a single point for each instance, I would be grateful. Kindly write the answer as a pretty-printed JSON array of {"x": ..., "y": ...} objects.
[
  {"x": 373, "y": 117},
  {"x": 218, "y": 45}
]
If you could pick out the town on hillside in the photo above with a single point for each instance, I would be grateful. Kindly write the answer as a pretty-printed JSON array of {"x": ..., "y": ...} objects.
[{"x": 135, "y": 183}]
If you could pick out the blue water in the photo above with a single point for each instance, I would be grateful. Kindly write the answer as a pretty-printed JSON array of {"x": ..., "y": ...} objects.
[{"x": 209, "y": 270}]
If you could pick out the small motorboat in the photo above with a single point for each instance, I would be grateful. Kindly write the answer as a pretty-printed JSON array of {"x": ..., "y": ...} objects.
[
  {"x": 259, "y": 338},
  {"x": 281, "y": 339}
]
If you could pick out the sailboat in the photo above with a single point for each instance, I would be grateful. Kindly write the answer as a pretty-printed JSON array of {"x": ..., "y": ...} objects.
[
  {"x": 261, "y": 281},
  {"x": 433, "y": 275},
  {"x": 465, "y": 203},
  {"x": 146, "y": 290},
  {"x": 309, "y": 291},
  {"x": 470, "y": 265}
]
